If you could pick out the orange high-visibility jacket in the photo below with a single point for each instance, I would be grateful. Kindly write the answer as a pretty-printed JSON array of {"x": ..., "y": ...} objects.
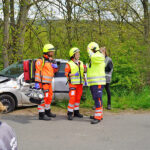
[
  {"x": 43, "y": 74},
  {"x": 67, "y": 70}
]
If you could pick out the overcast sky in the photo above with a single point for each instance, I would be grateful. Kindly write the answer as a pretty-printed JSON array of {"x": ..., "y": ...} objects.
[{"x": 56, "y": 13}]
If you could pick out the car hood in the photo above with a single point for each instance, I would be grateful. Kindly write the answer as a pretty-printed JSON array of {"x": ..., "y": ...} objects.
[
  {"x": 4, "y": 79},
  {"x": 8, "y": 83}
]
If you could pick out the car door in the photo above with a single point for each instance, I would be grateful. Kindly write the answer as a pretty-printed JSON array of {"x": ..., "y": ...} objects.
[
  {"x": 61, "y": 89},
  {"x": 24, "y": 88}
]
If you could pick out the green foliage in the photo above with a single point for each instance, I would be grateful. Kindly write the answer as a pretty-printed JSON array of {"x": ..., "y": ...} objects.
[
  {"x": 124, "y": 45},
  {"x": 126, "y": 68},
  {"x": 133, "y": 100}
]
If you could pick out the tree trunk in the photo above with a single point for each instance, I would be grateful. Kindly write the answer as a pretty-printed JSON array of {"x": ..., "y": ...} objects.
[
  {"x": 21, "y": 27},
  {"x": 148, "y": 56},
  {"x": 99, "y": 17},
  {"x": 146, "y": 20},
  {"x": 13, "y": 34},
  {"x": 68, "y": 22},
  {"x": 5, "y": 33}
]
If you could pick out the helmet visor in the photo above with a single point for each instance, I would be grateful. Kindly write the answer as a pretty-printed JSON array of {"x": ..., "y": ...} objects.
[
  {"x": 77, "y": 50},
  {"x": 51, "y": 49}
]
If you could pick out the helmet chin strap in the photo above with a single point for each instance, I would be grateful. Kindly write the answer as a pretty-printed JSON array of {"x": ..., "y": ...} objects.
[
  {"x": 94, "y": 51},
  {"x": 76, "y": 60}
]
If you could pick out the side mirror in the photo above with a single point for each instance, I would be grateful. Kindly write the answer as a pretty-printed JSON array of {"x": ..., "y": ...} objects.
[
  {"x": 25, "y": 84},
  {"x": 20, "y": 82}
]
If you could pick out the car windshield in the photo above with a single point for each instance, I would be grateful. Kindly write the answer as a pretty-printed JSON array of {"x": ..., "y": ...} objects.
[
  {"x": 62, "y": 67},
  {"x": 12, "y": 71},
  {"x": 61, "y": 71}
]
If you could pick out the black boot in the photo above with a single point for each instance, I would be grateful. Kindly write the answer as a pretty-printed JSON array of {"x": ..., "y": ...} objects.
[
  {"x": 92, "y": 117},
  {"x": 42, "y": 116},
  {"x": 77, "y": 114},
  {"x": 49, "y": 114},
  {"x": 109, "y": 107},
  {"x": 95, "y": 121},
  {"x": 69, "y": 114}
]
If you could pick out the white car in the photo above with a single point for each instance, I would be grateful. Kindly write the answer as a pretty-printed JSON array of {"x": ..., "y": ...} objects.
[{"x": 13, "y": 87}]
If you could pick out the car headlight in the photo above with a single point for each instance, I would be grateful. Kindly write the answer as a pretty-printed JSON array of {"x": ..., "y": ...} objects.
[{"x": 41, "y": 96}]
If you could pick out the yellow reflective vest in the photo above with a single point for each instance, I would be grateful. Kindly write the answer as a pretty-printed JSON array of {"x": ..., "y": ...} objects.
[
  {"x": 96, "y": 69},
  {"x": 74, "y": 69}
]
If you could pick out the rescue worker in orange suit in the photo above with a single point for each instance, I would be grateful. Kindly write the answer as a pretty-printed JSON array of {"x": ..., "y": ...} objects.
[
  {"x": 96, "y": 79},
  {"x": 74, "y": 72},
  {"x": 45, "y": 69}
]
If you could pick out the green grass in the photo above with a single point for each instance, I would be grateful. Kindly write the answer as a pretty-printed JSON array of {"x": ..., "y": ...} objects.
[
  {"x": 120, "y": 100},
  {"x": 133, "y": 100},
  {"x": 61, "y": 104}
]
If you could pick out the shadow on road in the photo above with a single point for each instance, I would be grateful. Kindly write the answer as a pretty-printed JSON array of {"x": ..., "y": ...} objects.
[
  {"x": 25, "y": 107},
  {"x": 23, "y": 119},
  {"x": 26, "y": 119},
  {"x": 75, "y": 119}
]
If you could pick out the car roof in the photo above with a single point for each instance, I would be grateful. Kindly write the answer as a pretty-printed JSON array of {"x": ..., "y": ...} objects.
[
  {"x": 58, "y": 60},
  {"x": 61, "y": 60}
]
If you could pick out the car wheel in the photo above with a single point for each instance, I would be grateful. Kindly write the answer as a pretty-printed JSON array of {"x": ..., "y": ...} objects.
[{"x": 7, "y": 101}]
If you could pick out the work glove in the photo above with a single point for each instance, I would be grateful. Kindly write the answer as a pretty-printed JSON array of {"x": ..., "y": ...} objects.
[
  {"x": 37, "y": 86},
  {"x": 85, "y": 83},
  {"x": 77, "y": 74},
  {"x": 54, "y": 66}
]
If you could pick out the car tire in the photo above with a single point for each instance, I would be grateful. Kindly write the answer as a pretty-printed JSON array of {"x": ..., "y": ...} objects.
[{"x": 8, "y": 101}]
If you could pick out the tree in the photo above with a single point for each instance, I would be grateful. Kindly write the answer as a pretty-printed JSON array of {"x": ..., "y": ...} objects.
[
  {"x": 133, "y": 13},
  {"x": 13, "y": 42},
  {"x": 5, "y": 32},
  {"x": 146, "y": 4}
]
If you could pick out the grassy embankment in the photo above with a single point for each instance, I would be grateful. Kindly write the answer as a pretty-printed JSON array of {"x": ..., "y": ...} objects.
[{"x": 120, "y": 100}]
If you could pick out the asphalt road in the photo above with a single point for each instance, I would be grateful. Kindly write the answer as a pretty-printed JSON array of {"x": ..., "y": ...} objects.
[{"x": 125, "y": 131}]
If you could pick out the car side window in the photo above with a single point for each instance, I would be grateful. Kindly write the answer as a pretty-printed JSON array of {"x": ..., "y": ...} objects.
[{"x": 61, "y": 71}]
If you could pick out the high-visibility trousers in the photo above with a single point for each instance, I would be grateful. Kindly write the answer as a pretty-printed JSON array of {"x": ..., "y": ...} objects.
[
  {"x": 75, "y": 93},
  {"x": 48, "y": 95},
  {"x": 97, "y": 92}
]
